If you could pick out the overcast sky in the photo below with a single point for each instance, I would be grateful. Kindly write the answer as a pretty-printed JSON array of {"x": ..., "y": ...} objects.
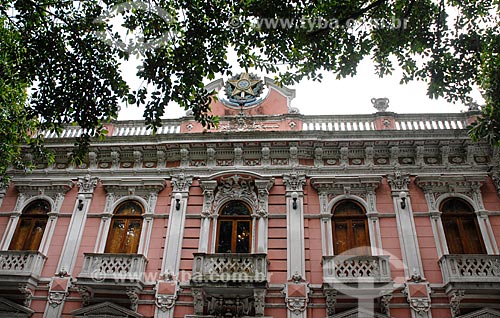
[{"x": 345, "y": 96}]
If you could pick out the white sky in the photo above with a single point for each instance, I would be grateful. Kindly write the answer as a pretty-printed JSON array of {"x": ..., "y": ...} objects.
[{"x": 332, "y": 96}]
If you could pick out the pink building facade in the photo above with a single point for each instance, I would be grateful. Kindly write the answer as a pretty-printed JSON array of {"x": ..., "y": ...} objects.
[{"x": 272, "y": 214}]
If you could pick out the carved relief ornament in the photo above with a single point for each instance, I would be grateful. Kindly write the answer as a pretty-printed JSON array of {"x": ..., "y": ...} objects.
[
  {"x": 87, "y": 184},
  {"x": 436, "y": 185}
]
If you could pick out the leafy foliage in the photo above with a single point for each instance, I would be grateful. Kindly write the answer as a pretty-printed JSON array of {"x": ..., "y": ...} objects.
[{"x": 74, "y": 70}]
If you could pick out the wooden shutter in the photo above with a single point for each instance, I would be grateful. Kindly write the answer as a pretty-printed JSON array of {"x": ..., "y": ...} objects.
[
  {"x": 350, "y": 229},
  {"x": 31, "y": 226},
  {"x": 461, "y": 228}
]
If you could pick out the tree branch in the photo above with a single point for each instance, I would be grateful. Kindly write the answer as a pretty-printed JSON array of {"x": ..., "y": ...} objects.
[{"x": 352, "y": 16}]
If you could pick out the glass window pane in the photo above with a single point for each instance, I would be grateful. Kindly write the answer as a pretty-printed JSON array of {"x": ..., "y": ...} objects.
[
  {"x": 133, "y": 236},
  {"x": 235, "y": 208},
  {"x": 37, "y": 207},
  {"x": 115, "y": 236},
  {"x": 129, "y": 208},
  {"x": 243, "y": 237},
  {"x": 22, "y": 234},
  {"x": 225, "y": 237},
  {"x": 456, "y": 206},
  {"x": 345, "y": 208},
  {"x": 34, "y": 240}
]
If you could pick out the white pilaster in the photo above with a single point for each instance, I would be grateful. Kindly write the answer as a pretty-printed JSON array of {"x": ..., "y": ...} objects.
[
  {"x": 175, "y": 234},
  {"x": 73, "y": 239},
  {"x": 295, "y": 236}
]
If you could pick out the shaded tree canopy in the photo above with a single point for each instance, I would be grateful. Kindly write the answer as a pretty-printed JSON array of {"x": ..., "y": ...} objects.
[{"x": 69, "y": 54}]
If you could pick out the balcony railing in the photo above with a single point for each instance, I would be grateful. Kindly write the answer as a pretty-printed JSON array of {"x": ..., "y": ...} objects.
[
  {"x": 115, "y": 267},
  {"x": 356, "y": 269},
  {"x": 227, "y": 267},
  {"x": 21, "y": 263},
  {"x": 470, "y": 268}
]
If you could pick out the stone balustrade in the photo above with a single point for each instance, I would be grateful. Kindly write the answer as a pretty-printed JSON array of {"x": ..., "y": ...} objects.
[
  {"x": 19, "y": 267},
  {"x": 356, "y": 269},
  {"x": 227, "y": 267},
  {"x": 115, "y": 267},
  {"x": 400, "y": 122},
  {"x": 21, "y": 263},
  {"x": 470, "y": 268}
]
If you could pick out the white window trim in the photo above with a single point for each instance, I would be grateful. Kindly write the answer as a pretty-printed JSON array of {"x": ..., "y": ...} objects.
[
  {"x": 147, "y": 222},
  {"x": 482, "y": 219},
  {"x": 372, "y": 221},
  {"x": 21, "y": 204}
]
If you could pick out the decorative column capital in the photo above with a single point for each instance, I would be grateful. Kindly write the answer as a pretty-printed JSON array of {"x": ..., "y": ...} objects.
[
  {"x": 87, "y": 184},
  {"x": 181, "y": 182},
  {"x": 294, "y": 181},
  {"x": 398, "y": 181}
]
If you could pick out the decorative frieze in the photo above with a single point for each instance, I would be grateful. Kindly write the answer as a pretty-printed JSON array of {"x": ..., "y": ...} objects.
[
  {"x": 465, "y": 184},
  {"x": 347, "y": 185},
  {"x": 318, "y": 157},
  {"x": 145, "y": 188},
  {"x": 32, "y": 187}
]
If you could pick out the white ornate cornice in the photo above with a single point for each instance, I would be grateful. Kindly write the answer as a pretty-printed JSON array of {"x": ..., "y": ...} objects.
[
  {"x": 138, "y": 186},
  {"x": 459, "y": 183},
  {"x": 346, "y": 184},
  {"x": 41, "y": 186}
]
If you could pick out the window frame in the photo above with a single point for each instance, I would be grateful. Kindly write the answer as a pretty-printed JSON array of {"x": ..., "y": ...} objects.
[
  {"x": 458, "y": 219},
  {"x": 34, "y": 219},
  {"x": 234, "y": 219},
  {"x": 127, "y": 218},
  {"x": 348, "y": 219}
]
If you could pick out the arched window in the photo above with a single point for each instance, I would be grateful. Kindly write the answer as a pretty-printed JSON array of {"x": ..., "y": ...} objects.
[
  {"x": 31, "y": 226},
  {"x": 234, "y": 228},
  {"x": 125, "y": 229},
  {"x": 350, "y": 229},
  {"x": 461, "y": 228}
]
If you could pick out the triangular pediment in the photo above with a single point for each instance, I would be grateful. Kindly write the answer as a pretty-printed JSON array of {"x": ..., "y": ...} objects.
[
  {"x": 105, "y": 309},
  {"x": 483, "y": 313},
  {"x": 11, "y": 309},
  {"x": 358, "y": 313}
]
